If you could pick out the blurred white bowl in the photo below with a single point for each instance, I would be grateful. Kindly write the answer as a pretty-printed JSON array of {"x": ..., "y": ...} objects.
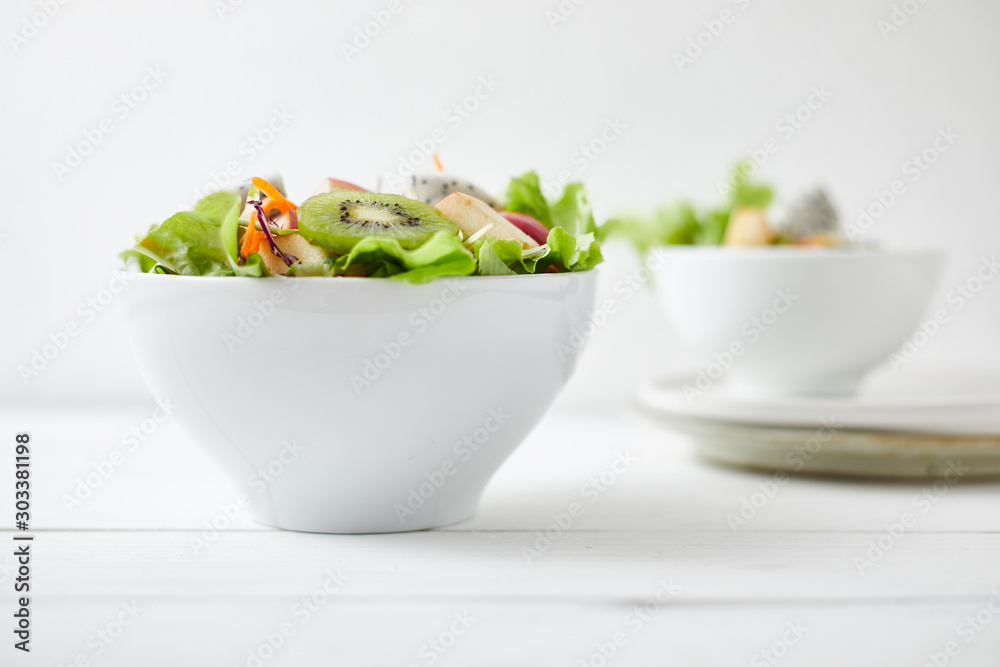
[
  {"x": 789, "y": 321},
  {"x": 356, "y": 405}
]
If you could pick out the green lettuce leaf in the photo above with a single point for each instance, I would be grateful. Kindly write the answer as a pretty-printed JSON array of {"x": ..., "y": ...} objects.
[
  {"x": 712, "y": 226},
  {"x": 524, "y": 195},
  {"x": 497, "y": 257},
  {"x": 571, "y": 211},
  {"x": 743, "y": 192},
  {"x": 136, "y": 260},
  {"x": 681, "y": 223},
  {"x": 503, "y": 257},
  {"x": 562, "y": 250},
  {"x": 201, "y": 242},
  {"x": 572, "y": 243},
  {"x": 441, "y": 255},
  {"x": 571, "y": 253},
  {"x": 669, "y": 225}
]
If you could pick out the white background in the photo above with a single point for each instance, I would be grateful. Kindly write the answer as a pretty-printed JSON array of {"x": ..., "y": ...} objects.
[{"x": 558, "y": 86}]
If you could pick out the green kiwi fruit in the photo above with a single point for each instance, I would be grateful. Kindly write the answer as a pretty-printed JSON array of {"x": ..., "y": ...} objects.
[{"x": 338, "y": 219}]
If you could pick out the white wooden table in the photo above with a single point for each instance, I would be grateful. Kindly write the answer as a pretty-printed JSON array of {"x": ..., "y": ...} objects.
[{"x": 785, "y": 587}]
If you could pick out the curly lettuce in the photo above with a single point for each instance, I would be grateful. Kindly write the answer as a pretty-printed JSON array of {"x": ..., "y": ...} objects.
[
  {"x": 201, "y": 242},
  {"x": 572, "y": 243},
  {"x": 204, "y": 242},
  {"x": 562, "y": 252},
  {"x": 681, "y": 223},
  {"x": 440, "y": 256},
  {"x": 571, "y": 211}
]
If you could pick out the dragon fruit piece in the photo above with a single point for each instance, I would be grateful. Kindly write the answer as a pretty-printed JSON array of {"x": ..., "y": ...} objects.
[
  {"x": 433, "y": 187},
  {"x": 809, "y": 216}
]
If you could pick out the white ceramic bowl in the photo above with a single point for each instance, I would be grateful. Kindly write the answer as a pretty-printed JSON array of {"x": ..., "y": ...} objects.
[
  {"x": 358, "y": 405},
  {"x": 790, "y": 321}
]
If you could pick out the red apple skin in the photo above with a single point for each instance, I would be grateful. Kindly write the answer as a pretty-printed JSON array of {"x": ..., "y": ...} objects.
[
  {"x": 344, "y": 185},
  {"x": 536, "y": 230},
  {"x": 331, "y": 183}
]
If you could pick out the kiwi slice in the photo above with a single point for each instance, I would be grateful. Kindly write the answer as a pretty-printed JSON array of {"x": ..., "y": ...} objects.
[{"x": 338, "y": 219}]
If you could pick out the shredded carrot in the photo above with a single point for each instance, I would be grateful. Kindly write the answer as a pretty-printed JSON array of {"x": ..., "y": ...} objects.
[
  {"x": 437, "y": 161},
  {"x": 277, "y": 200},
  {"x": 251, "y": 240},
  {"x": 252, "y": 237},
  {"x": 273, "y": 200}
]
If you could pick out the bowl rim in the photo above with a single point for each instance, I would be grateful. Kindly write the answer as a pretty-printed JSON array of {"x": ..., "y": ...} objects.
[
  {"x": 272, "y": 279},
  {"x": 797, "y": 253}
]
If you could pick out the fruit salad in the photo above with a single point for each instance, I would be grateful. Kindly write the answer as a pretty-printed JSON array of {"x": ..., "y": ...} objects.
[
  {"x": 741, "y": 219},
  {"x": 441, "y": 226}
]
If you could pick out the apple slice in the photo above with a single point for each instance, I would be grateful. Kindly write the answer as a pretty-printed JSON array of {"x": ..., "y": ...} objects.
[
  {"x": 333, "y": 184},
  {"x": 528, "y": 225},
  {"x": 747, "y": 227},
  {"x": 471, "y": 215},
  {"x": 292, "y": 244}
]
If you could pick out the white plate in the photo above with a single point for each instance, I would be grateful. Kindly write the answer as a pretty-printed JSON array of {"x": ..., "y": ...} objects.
[
  {"x": 940, "y": 401},
  {"x": 825, "y": 451}
]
